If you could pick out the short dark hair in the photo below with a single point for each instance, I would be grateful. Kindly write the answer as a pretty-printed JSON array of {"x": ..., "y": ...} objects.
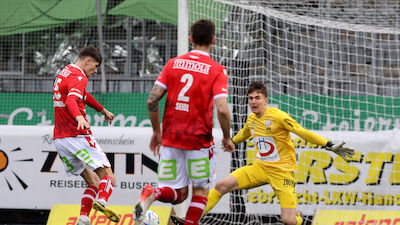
[
  {"x": 90, "y": 51},
  {"x": 258, "y": 87},
  {"x": 202, "y": 32}
]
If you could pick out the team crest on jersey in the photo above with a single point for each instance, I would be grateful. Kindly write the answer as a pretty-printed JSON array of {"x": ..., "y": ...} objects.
[
  {"x": 268, "y": 123},
  {"x": 79, "y": 78}
]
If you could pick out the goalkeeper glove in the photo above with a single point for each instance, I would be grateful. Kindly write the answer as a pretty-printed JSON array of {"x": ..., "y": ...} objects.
[{"x": 340, "y": 149}]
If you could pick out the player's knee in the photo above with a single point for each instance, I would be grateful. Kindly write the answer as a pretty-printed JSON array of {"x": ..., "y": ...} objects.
[
  {"x": 93, "y": 181},
  {"x": 222, "y": 187},
  {"x": 289, "y": 220}
]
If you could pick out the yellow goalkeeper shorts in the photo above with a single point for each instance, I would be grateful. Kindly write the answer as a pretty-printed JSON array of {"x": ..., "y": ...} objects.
[{"x": 282, "y": 182}]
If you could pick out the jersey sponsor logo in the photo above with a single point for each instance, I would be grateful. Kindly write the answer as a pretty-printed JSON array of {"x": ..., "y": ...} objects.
[
  {"x": 65, "y": 72},
  {"x": 267, "y": 150},
  {"x": 80, "y": 78},
  {"x": 192, "y": 66}
]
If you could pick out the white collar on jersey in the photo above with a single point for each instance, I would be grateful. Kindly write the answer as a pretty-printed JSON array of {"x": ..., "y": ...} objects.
[
  {"x": 79, "y": 69},
  {"x": 200, "y": 52}
]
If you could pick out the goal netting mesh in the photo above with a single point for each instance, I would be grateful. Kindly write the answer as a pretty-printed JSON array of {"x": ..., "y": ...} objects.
[{"x": 334, "y": 66}]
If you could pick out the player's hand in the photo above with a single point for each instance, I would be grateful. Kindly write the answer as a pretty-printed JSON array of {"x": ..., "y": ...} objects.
[
  {"x": 155, "y": 143},
  {"x": 228, "y": 145},
  {"x": 344, "y": 151},
  {"x": 108, "y": 116},
  {"x": 82, "y": 123}
]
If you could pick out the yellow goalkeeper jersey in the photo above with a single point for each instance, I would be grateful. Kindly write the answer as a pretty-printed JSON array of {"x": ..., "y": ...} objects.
[{"x": 271, "y": 136}]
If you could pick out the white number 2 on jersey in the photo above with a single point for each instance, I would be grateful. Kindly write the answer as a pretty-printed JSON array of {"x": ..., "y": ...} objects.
[{"x": 188, "y": 79}]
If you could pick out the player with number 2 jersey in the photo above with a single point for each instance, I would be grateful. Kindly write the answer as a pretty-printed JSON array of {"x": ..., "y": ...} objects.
[{"x": 193, "y": 83}]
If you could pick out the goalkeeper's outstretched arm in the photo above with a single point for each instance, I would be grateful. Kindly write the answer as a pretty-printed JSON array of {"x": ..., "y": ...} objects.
[{"x": 344, "y": 151}]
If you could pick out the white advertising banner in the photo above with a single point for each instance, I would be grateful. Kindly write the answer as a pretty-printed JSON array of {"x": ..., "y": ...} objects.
[
  {"x": 370, "y": 180},
  {"x": 32, "y": 175}
]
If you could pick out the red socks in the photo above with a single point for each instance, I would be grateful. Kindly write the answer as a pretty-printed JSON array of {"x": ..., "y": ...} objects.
[
  {"x": 195, "y": 210},
  {"x": 167, "y": 194},
  {"x": 106, "y": 187},
  {"x": 87, "y": 199}
]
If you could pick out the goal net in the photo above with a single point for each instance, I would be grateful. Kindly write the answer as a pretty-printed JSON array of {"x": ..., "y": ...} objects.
[{"x": 334, "y": 66}]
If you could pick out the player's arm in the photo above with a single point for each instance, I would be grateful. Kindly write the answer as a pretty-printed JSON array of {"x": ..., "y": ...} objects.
[
  {"x": 220, "y": 95},
  {"x": 242, "y": 135},
  {"x": 154, "y": 113},
  {"x": 94, "y": 104},
  {"x": 73, "y": 108},
  {"x": 224, "y": 118},
  {"x": 344, "y": 151},
  {"x": 76, "y": 88}
]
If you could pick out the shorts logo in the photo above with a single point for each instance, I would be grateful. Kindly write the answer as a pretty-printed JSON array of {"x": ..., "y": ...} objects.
[
  {"x": 67, "y": 164},
  {"x": 288, "y": 182},
  {"x": 167, "y": 170},
  {"x": 199, "y": 168},
  {"x": 84, "y": 156}
]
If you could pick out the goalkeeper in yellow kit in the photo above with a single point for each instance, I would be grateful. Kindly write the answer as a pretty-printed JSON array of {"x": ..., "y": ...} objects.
[{"x": 276, "y": 161}]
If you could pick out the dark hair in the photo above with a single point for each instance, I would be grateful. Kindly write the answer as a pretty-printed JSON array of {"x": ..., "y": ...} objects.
[
  {"x": 202, "y": 32},
  {"x": 90, "y": 51},
  {"x": 258, "y": 87}
]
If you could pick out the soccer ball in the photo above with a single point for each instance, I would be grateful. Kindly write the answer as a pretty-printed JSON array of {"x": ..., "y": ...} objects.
[{"x": 151, "y": 218}]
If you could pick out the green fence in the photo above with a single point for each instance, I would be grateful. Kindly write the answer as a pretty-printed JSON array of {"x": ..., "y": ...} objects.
[{"x": 312, "y": 111}]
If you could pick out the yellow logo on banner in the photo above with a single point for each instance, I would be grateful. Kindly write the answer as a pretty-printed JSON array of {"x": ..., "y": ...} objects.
[
  {"x": 69, "y": 215},
  {"x": 362, "y": 217}
]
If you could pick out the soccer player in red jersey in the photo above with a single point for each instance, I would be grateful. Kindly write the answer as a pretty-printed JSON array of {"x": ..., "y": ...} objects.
[
  {"x": 193, "y": 83},
  {"x": 73, "y": 138}
]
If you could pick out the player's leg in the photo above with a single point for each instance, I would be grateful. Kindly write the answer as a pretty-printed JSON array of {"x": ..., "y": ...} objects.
[
  {"x": 222, "y": 187},
  {"x": 89, "y": 195},
  {"x": 196, "y": 206},
  {"x": 283, "y": 184},
  {"x": 201, "y": 170},
  {"x": 291, "y": 217},
  {"x": 107, "y": 182},
  {"x": 68, "y": 149},
  {"x": 172, "y": 185},
  {"x": 243, "y": 178},
  {"x": 106, "y": 187},
  {"x": 94, "y": 157}
]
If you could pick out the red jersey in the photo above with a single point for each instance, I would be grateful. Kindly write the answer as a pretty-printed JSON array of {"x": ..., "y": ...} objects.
[
  {"x": 192, "y": 82},
  {"x": 70, "y": 85}
]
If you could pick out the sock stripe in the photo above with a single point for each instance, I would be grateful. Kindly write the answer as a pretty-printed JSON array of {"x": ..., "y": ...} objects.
[
  {"x": 89, "y": 196},
  {"x": 199, "y": 205}
]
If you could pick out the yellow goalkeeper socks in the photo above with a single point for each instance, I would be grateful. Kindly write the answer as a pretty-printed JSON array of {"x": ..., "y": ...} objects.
[
  {"x": 299, "y": 219},
  {"x": 213, "y": 198}
]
